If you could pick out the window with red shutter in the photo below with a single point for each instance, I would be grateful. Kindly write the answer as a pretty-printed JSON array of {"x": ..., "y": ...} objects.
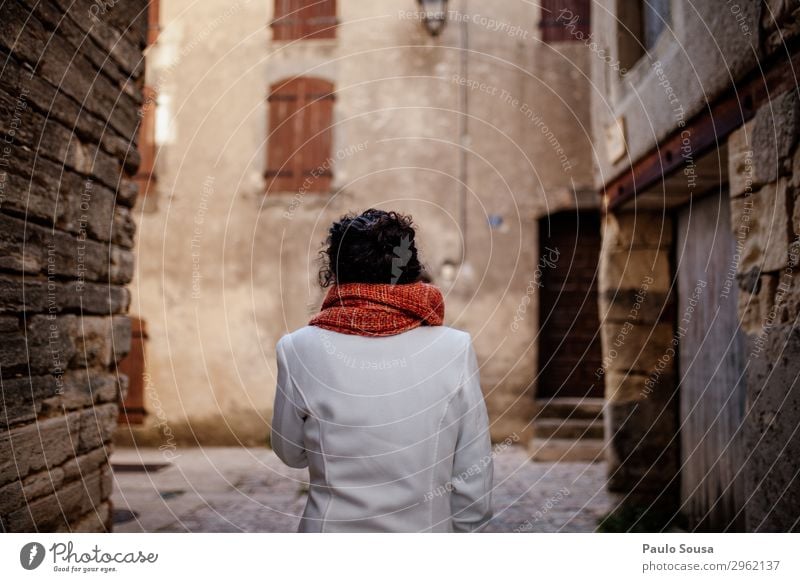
[
  {"x": 299, "y": 143},
  {"x": 304, "y": 19},
  {"x": 562, "y": 19},
  {"x": 146, "y": 138}
]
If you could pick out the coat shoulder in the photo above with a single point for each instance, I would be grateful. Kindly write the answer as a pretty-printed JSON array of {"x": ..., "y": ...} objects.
[
  {"x": 298, "y": 338},
  {"x": 456, "y": 337}
]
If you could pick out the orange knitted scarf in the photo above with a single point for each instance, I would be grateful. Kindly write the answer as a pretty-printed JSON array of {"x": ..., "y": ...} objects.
[{"x": 379, "y": 309}]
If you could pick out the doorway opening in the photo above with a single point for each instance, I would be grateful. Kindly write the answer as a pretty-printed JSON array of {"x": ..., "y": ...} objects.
[{"x": 569, "y": 397}]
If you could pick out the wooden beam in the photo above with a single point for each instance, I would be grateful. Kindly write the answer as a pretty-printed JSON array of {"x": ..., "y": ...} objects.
[{"x": 704, "y": 131}]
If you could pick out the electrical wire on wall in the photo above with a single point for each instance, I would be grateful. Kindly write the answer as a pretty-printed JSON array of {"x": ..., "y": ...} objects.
[{"x": 463, "y": 126}]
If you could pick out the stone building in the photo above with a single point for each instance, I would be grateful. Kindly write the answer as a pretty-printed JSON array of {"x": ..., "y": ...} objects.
[
  {"x": 69, "y": 96},
  {"x": 269, "y": 125},
  {"x": 695, "y": 118}
]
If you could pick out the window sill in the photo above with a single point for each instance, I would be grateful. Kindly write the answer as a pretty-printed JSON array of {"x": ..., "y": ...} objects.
[
  {"x": 317, "y": 42},
  {"x": 283, "y": 194}
]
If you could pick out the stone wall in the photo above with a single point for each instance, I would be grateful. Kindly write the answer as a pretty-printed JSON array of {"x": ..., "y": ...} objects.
[
  {"x": 636, "y": 311},
  {"x": 69, "y": 96},
  {"x": 764, "y": 169},
  {"x": 638, "y": 253}
]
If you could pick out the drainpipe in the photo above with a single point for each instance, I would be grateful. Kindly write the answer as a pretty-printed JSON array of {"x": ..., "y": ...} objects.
[{"x": 463, "y": 127}]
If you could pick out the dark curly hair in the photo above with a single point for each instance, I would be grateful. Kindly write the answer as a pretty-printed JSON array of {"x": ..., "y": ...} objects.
[{"x": 372, "y": 247}]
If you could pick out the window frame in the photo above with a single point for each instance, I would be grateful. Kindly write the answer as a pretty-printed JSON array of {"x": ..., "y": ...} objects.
[
  {"x": 304, "y": 20},
  {"x": 553, "y": 29}
]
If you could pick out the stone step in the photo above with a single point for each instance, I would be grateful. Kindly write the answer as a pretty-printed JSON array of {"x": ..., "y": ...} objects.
[
  {"x": 570, "y": 407},
  {"x": 566, "y": 450},
  {"x": 574, "y": 428}
]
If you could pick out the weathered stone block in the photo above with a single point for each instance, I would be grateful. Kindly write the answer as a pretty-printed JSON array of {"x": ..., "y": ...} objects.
[
  {"x": 637, "y": 306},
  {"x": 43, "y": 483},
  {"x": 85, "y": 464},
  {"x": 636, "y": 347},
  {"x": 118, "y": 46},
  {"x": 629, "y": 230},
  {"x": 97, "y": 426},
  {"x": 34, "y": 249},
  {"x": 82, "y": 388},
  {"x": 94, "y": 342},
  {"x": 97, "y": 520},
  {"x": 47, "y": 99},
  {"x": 100, "y": 341},
  {"x": 122, "y": 265},
  {"x": 106, "y": 481},
  {"x": 761, "y": 229},
  {"x": 642, "y": 453},
  {"x": 128, "y": 193},
  {"x": 38, "y": 295},
  {"x": 57, "y": 510},
  {"x": 773, "y": 415},
  {"x": 23, "y": 397},
  {"x": 123, "y": 228},
  {"x": 50, "y": 341},
  {"x": 53, "y": 16},
  {"x": 787, "y": 299},
  {"x": 124, "y": 383},
  {"x": 740, "y": 161},
  {"x": 53, "y": 141},
  {"x": 634, "y": 386},
  {"x": 757, "y": 308},
  {"x": 776, "y": 128},
  {"x": 62, "y": 66},
  {"x": 34, "y": 447},
  {"x": 45, "y": 346},
  {"x": 11, "y": 498},
  {"x": 9, "y": 323},
  {"x": 629, "y": 269},
  {"x": 780, "y": 23}
]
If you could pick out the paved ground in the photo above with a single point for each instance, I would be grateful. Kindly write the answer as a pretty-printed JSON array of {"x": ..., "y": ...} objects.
[{"x": 224, "y": 489}]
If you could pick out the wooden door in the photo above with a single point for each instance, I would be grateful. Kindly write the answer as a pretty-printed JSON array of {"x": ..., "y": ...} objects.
[
  {"x": 711, "y": 363},
  {"x": 132, "y": 365},
  {"x": 569, "y": 340}
]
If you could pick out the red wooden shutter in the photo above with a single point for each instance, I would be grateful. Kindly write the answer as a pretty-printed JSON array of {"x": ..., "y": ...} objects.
[
  {"x": 299, "y": 144},
  {"x": 153, "y": 27},
  {"x": 284, "y": 19},
  {"x": 145, "y": 176},
  {"x": 320, "y": 19},
  {"x": 559, "y": 22},
  {"x": 304, "y": 19},
  {"x": 284, "y": 123},
  {"x": 315, "y": 149}
]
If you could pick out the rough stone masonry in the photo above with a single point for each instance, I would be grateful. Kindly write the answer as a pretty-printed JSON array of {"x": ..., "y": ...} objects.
[
  {"x": 764, "y": 169},
  {"x": 70, "y": 92}
]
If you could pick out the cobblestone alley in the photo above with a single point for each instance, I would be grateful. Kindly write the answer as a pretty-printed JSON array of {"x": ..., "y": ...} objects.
[{"x": 224, "y": 489}]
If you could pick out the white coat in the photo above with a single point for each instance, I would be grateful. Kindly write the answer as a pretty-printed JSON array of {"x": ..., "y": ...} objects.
[{"x": 393, "y": 430}]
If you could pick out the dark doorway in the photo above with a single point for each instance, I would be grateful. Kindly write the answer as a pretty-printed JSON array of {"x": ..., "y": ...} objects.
[{"x": 569, "y": 341}]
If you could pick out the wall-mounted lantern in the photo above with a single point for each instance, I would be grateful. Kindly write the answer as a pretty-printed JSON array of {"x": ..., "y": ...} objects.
[{"x": 434, "y": 15}]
